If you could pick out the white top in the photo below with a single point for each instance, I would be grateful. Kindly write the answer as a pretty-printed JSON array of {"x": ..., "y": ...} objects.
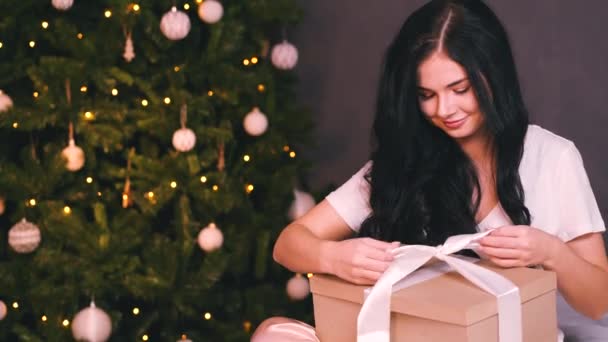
[
  {"x": 556, "y": 187},
  {"x": 557, "y": 194}
]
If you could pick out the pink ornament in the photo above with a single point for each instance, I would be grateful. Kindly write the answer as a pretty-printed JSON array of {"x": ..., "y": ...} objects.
[
  {"x": 284, "y": 56},
  {"x": 92, "y": 324},
  {"x": 210, "y": 238},
  {"x": 74, "y": 156},
  {"x": 210, "y": 11},
  {"x": 297, "y": 287},
  {"x": 184, "y": 139},
  {"x": 2, "y": 310},
  {"x": 24, "y": 237},
  {"x": 175, "y": 24},
  {"x": 255, "y": 122},
  {"x": 5, "y": 102},
  {"x": 302, "y": 203},
  {"x": 62, "y": 5}
]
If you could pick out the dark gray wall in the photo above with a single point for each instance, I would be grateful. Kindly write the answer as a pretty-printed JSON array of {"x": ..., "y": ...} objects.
[{"x": 560, "y": 48}]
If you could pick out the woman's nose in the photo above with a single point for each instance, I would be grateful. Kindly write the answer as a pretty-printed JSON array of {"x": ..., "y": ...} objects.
[{"x": 445, "y": 107}]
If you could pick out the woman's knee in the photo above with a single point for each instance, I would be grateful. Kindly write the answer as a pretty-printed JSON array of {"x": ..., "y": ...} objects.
[{"x": 291, "y": 330}]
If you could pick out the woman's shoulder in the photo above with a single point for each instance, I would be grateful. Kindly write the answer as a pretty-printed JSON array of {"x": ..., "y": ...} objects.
[{"x": 542, "y": 143}]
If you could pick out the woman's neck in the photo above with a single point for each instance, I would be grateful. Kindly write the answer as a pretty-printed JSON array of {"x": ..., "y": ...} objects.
[{"x": 479, "y": 148}]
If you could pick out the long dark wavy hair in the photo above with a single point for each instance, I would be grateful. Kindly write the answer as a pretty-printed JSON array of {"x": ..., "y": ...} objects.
[{"x": 422, "y": 183}]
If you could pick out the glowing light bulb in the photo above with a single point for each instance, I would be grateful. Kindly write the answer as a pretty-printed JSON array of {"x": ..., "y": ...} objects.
[
  {"x": 136, "y": 7},
  {"x": 144, "y": 102},
  {"x": 173, "y": 184},
  {"x": 207, "y": 315},
  {"x": 44, "y": 318},
  {"x": 203, "y": 179},
  {"x": 45, "y": 25},
  {"x": 216, "y": 188},
  {"x": 136, "y": 311},
  {"x": 246, "y": 158},
  {"x": 84, "y": 89},
  {"x": 210, "y": 93},
  {"x": 107, "y": 13},
  {"x": 245, "y": 62},
  {"x": 292, "y": 154},
  {"x": 32, "y": 43},
  {"x": 261, "y": 87},
  {"x": 65, "y": 323},
  {"x": 67, "y": 210},
  {"x": 114, "y": 91},
  {"x": 254, "y": 60},
  {"x": 89, "y": 180},
  {"x": 80, "y": 35},
  {"x": 32, "y": 202},
  {"x": 167, "y": 100}
]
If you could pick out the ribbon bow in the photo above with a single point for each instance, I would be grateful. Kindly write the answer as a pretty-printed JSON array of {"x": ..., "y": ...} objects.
[{"x": 373, "y": 323}]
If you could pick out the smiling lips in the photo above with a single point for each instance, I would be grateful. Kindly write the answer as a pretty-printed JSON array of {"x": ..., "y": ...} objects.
[{"x": 454, "y": 124}]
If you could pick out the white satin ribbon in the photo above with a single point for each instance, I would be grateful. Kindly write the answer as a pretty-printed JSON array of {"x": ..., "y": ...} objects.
[{"x": 373, "y": 323}]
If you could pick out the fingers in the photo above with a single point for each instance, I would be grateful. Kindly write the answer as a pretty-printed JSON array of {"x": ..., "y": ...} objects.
[
  {"x": 512, "y": 231},
  {"x": 375, "y": 265},
  {"x": 362, "y": 276},
  {"x": 501, "y": 253},
  {"x": 500, "y": 242},
  {"x": 507, "y": 263},
  {"x": 377, "y": 254},
  {"x": 383, "y": 245}
]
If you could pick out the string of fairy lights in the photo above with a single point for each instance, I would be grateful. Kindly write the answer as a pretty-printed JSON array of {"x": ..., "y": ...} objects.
[
  {"x": 151, "y": 196},
  {"x": 136, "y": 311},
  {"x": 90, "y": 116}
]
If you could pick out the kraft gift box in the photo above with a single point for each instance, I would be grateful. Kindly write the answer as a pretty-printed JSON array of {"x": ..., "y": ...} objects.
[{"x": 444, "y": 308}]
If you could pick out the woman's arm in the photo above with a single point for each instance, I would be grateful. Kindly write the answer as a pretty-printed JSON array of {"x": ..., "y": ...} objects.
[
  {"x": 315, "y": 243},
  {"x": 582, "y": 274},
  {"x": 581, "y": 265}
]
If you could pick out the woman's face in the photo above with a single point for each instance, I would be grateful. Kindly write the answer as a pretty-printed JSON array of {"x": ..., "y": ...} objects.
[{"x": 447, "y": 98}]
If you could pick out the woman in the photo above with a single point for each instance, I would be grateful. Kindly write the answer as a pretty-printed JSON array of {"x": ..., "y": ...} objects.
[{"x": 455, "y": 154}]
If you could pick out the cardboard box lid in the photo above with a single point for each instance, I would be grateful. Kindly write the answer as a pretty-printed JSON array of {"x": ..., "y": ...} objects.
[{"x": 448, "y": 298}]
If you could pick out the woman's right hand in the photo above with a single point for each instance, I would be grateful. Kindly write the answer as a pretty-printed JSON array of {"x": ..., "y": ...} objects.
[{"x": 360, "y": 260}]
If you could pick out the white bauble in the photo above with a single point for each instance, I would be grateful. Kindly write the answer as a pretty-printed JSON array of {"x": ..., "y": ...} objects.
[
  {"x": 3, "y": 310},
  {"x": 5, "y": 102},
  {"x": 210, "y": 11},
  {"x": 184, "y": 139},
  {"x": 297, "y": 287},
  {"x": 24, "y": 237},
  {"x": 63, "y": 5},
  {"x": 210, "y": 238},
  {"x": 92, "y": 325},
  {"x": 301, "y": 204},
  {"x": 255, "y": 122},
  {"x": 175, "y": 24},
  {"x": 2, "y": 205},
  {"x": 284, "y": 56},
  {"x": 74, "y": 156}
]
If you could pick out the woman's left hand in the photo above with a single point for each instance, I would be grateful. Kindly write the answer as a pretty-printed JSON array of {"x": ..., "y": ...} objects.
[{"x": 519, "y": 246}]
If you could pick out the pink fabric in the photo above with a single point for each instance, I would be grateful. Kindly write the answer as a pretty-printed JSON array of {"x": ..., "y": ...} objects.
[{"x": 281, "y": 329}]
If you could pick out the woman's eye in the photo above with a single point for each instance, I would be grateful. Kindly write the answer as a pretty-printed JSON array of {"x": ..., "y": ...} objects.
[
  {"x": 424, "y": 96},
  {"x": 462, "y": 90}
]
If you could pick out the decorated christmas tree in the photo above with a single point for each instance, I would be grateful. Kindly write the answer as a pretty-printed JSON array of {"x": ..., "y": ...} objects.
[{"x": 148, "y": 160}]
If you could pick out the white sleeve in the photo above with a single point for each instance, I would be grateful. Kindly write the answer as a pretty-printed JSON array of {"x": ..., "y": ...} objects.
[
  {"x": 351, "y": 200},
  {"x": 577, "y": 209}
]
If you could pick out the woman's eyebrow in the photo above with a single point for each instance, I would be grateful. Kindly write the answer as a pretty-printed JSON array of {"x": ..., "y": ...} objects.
[{"x": 449, "y": 85}]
